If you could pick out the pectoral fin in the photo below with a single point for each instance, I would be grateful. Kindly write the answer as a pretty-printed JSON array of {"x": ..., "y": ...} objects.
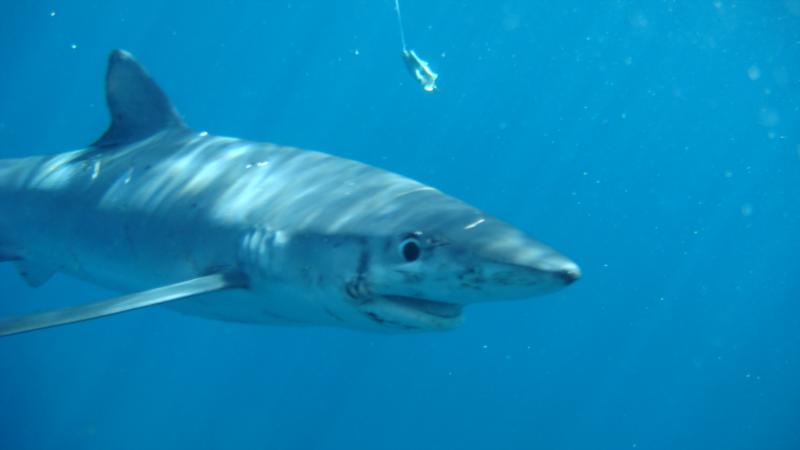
[
  {"x": 178, "y": 291},
  {"x": 34, "y": 274},
  {"x": 7, "y": 254}
]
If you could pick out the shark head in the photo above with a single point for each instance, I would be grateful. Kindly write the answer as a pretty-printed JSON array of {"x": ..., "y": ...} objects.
[
  {"x": 413, "y": 258},
  {"x": 422, "y": 278}
]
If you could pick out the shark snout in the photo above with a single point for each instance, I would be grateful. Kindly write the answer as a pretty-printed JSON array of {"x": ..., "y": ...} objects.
[
  {"x": 552, "y": 273},
  {"x": 543, "y": 265},
  {"x": 570, "y": 273},
  {"x": 520, "y": 267},
  {"x": 511, "y": 280}
]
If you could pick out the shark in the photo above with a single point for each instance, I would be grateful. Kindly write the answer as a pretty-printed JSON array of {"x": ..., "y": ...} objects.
[{"x": 248, "y": 232}]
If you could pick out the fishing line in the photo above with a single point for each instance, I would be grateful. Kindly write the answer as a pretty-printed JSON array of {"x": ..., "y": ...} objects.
[
  {"x": 400, "y": 25},
  {"x": 417, "y": 67}
]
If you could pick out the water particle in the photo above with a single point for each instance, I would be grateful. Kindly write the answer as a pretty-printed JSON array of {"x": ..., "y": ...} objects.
[
  {"x": 747, "y": 210},
  {"x": 511, "y": 22},
  {"x": 768, "y": 117},
  {"x": 52, "y": 13},
  {"x": 754, "y": 73},
  {"x": 73, "y": 46},
  {"x": 639, "y": 20}
]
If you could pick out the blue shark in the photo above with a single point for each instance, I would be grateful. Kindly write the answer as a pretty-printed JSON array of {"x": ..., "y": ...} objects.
[{"x": 248, "y": 232}]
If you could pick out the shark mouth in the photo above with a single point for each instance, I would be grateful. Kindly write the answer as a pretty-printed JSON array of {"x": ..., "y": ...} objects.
[{"x": 411, "y": 313}]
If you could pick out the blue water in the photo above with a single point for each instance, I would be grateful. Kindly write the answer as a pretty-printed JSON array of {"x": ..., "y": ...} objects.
[{"x": 657, "y": 144}]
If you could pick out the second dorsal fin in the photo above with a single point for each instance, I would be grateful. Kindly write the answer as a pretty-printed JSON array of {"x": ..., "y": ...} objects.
[{"x": 138, "y": 106}]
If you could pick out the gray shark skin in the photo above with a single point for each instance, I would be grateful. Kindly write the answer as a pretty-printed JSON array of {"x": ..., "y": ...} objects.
[{"x": 156, "y": 211}]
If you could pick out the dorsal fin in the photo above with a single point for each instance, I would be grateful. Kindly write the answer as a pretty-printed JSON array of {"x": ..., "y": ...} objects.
[{"x": 138, "y": 107}]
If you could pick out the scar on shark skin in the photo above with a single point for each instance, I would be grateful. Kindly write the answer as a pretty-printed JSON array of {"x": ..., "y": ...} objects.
[{"x": 332, "y": 314}]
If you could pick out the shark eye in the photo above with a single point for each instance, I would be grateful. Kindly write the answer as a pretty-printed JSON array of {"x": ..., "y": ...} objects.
[{"x": 410, "y": 249}]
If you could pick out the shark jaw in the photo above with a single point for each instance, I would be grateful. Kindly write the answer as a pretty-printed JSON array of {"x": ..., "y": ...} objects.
[{"x": 410, "y": 313}]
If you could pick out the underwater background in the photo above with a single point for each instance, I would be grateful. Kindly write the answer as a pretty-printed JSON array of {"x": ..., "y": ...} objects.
[{"x": 655, "y": 143}]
